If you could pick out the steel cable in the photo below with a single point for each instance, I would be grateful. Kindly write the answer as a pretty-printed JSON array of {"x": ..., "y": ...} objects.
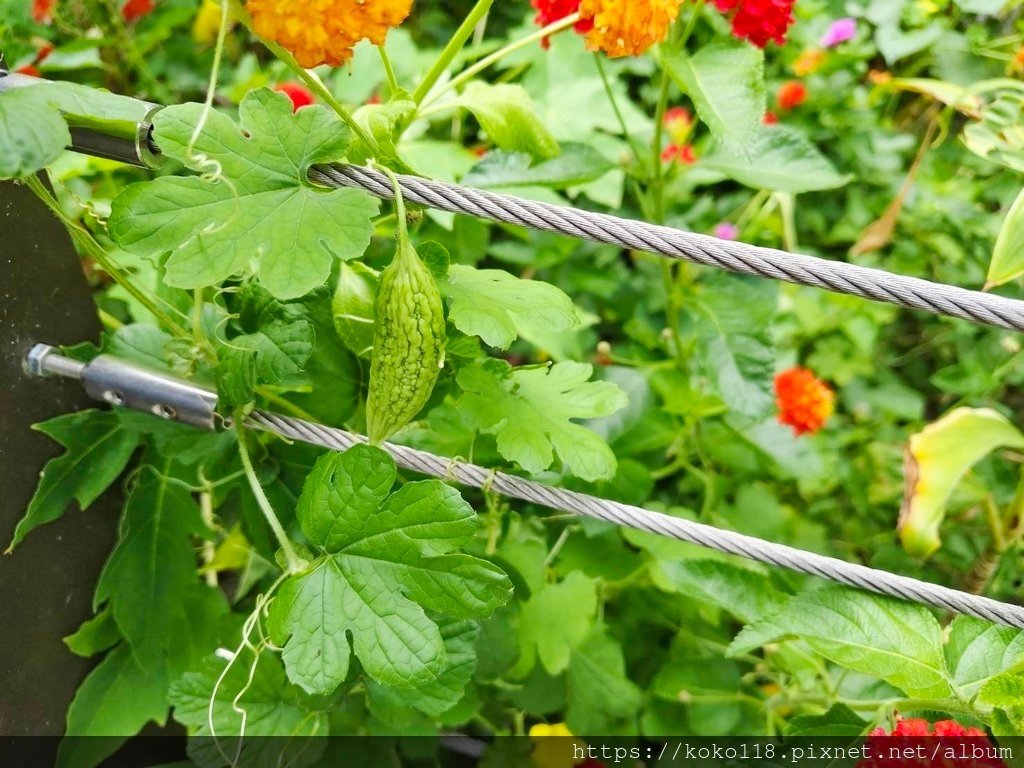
[
  {"x": 852, "y": 574},
  {"x": 835, "y": 276}
]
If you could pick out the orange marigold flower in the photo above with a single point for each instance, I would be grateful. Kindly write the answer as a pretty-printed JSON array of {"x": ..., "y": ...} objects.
[
  {"x": 627, "y": 27},
  {"x": 324, "y": 31},
  {"x": 808, "y": 62},
  {"x": 804, "y": 401},
  {"x": 300, "y": 95},
  {"x": 791, "y": 95}
]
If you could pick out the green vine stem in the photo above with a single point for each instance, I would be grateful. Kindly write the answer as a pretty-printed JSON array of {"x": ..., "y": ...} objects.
[
  {"x": 468, "y": 74},
  {"x": 447, "y": 55},
  {"x": 87, "y": 243},
  {"x": 389, "y": 70},
  {"x": 295, "y": 563}
]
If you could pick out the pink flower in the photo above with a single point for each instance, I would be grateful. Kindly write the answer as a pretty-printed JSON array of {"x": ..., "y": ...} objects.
[
  {"x": 840, "y": 31},
  {"x": 727, "y": 231}
]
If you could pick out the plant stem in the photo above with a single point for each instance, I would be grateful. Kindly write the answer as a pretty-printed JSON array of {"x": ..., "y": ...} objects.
[
  {"x": 471, "y": 72},
  {"x": 449, "y": 52},
  {"x": 615, "y": 106},
  {"x": 388, "y": 69},
  {"x": 88, "y": 244},
  {"x": 295, "y": 564}
]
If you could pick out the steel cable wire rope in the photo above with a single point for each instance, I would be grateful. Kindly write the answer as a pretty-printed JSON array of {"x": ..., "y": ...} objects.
[{"x": 836, "y": 276}]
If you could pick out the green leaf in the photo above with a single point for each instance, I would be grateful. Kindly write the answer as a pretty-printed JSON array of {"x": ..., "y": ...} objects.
[
  {"x": 840, "y": 720},
  {"x": 938, "y": 457},
  {"x": 977, "y": 651},
  {"x": 441, "y": 694},
  {"x": 354, "y": 304},
  {"x": 600, "y": 693},
  {"x": 733, "y": 317},
  {"x": 98, "y": 449},
  {"x": 258, "y": 210},
  {"x": 898, "y": 642},
  {"x": 32, "y": 132},
  {"x": 488, "y": 302},
  {"x": 578, "y": 164},
  {"x": 745, "y": 593},
  {"x": 1008, "y": 257},
  {"x": 780, "y": 158},
  {"x": 269, "y": 704},
  {"x": 726, "y": 83},
  {"x": 114, "y": 701},
  {"x": 555, "y": 621},
  {"x": 379, "y": 121},
  {"x": 387, "y": 557},
  {"x": 96, "y": 634},
  {"x": 152, "y": 566},
  {"x": 283, "y": 343},
  {"x": 506, "y": 114},
  {"x": 531, "y": 411}
]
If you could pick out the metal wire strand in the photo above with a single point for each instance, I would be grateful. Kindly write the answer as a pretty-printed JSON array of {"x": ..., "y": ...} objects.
[
  {"x": 862, "y": 577},
  {"x": 836, "y": 276}
]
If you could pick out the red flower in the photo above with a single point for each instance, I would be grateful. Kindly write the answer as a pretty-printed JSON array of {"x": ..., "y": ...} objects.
[
  {"x": 791, "y": 95},
  {"x": 136, "y": 9},
  {"x": 888, "y": 750},
  {"x": 550, "y": 11},
  {"x": 759, "y": 21},
  {"x": 42, "y": 10},
  {"x": 684, "y": 154},
  {"x": 679, "y": 123},
  {"x": 299, "y": 94},
  {"x": 804, "y": 401},
  {"x": 770, "y": 118},
  {"x": 29, "y": 69}
]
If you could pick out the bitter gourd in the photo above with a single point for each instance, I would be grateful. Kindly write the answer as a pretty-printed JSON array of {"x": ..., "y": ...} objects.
[{"x": 408, "y": 340}]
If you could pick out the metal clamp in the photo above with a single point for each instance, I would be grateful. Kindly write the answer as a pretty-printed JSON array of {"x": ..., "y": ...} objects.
[{"x": 120, "y": 382}]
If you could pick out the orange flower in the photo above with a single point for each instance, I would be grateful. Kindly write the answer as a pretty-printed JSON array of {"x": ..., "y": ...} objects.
[
  {"x": 679, "y": 123},
  {"x": 804, "y": 401},
  {"x": 134, "y": 10},
  {"x": 808, "y": 62},
  {"x": 879, "y": 76},
  {"x": 791, "y": 95},
  {"x": 627, "y": 27},
  {"x": 770, "y": 118},
  {"x": 324, "y": 31}
]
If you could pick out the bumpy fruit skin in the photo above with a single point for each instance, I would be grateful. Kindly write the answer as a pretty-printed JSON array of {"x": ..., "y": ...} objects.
[{"x": 408, "y": 344}]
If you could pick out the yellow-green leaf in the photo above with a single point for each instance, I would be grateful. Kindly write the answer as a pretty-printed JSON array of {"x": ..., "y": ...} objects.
[{"x": 936, "y": 460}]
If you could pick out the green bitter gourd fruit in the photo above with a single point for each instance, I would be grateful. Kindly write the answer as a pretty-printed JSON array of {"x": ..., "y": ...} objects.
[{"x": 408, "y": 340}]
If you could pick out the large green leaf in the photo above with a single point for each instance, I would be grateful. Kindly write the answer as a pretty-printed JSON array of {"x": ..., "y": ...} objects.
[
  {"x": 780, "y": 158},
  {"x": 600, "y": 693},
  {"x": 726, "y": 83},
  {"x": 98, "y": 449},
  {"x": 554, "y": 621},
  {"x": 507, "y": 115},
  {"x": 257, "y": 210},
  {"x": 745, "y": 593},
  {"x": 32, "y": 132},
  {"x": 531, "y": 410},
  {"x": 152, "y": 566},
  {"x": 733, "y": 317},
  {"x": 1008, "y": 257},
  {"x": 938, "y": 457},
  {"x": 387, "y": 557},
  {"x": 977, "y": 651},
  {"x": 489, "y": 302},
  {"x": 898, "y": 642},
  {"x": 253, "y": 694},
  {"x": 578, "y": 164},
  {"x": 114, "y": 701}
]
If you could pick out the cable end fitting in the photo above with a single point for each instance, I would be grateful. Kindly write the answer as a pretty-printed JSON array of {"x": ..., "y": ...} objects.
[{"x": 46, "y": 361}]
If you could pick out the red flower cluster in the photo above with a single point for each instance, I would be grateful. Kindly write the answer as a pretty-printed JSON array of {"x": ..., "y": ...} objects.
[
  {"x": 136, "y": 9},
  {"x": 804, "y": 401},
  {"x": 759, "y": 21},
  {"x": 899, "y": 749},
  {"x": 42, "y": 10},
  {"x": 300, "y": 95},
  {"x": 550, "y": 11},
  {"x": 682, "y": 153}
]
